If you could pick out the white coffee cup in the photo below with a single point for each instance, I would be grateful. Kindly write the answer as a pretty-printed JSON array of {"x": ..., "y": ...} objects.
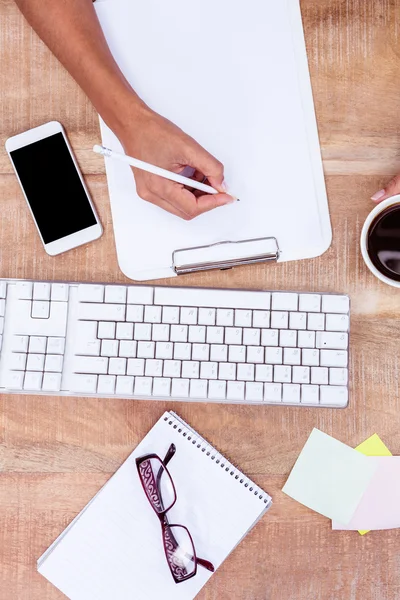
[{"x": 379, "y": 208}]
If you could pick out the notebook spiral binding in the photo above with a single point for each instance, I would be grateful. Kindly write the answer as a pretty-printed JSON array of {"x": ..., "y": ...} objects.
[{"x": 214, "y": 455}]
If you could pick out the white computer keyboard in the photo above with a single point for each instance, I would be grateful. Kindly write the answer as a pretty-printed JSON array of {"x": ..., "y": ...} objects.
[{"x": 174, "y": 343}]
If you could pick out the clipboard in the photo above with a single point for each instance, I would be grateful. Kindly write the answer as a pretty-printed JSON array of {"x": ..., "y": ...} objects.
[{"x": 238, "y": 82}]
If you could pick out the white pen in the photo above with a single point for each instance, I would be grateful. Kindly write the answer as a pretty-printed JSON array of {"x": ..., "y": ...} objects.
[{"x": 139, "y": 164}]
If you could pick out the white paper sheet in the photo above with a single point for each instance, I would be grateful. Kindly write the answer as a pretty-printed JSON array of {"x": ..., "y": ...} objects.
[
  {"x": 234, "y": 75},
  {"x": 329, "y": 477},
  {"x": 114, "y": 548}
]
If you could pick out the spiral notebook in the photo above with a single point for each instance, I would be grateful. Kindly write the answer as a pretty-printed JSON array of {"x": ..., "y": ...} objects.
[{"x": 114, "y": 547}]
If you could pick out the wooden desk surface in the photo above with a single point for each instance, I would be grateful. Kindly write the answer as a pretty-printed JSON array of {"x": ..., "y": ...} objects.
[{"x": 56, "y": 453}]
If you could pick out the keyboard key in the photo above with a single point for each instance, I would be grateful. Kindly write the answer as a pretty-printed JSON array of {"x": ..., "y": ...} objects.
[
  {"x": 207, "y": 316},
  {"x": 243, "y": 318},
  {"x": 215, "y": 335},
  {"x": 124, "y": 385},
  {"x": 298, "y": 320},
  {"x": 338, "y": 376},
  {"x": 146, "y": 349},
  {"x": 40, "y": 309},
  {"x": 244, "y": 372},
  {"x": 198, "y": 388},
  {"x": 51, "y": 382},
  {"x": 14, "y": 380},
  {"x": 160, "y": 333},
  {"x": 101, "y": 312},
  {"x": 143, "y": 386},
  {"x": 273, "y": 392},
  {"x": 319, "y": 375},
  {"x": 55, "y": 345},
  {"x": 235, "y": 390},
  {"x": 310, "y": 358},
  {"x": 59, "y": 292},
  {"x": 254, "y": 392},
  {"x": 37, "y": 344},
  {"x": 117, "y": 366},
  {"x": 301, "y": 375},
  {"x": 172, "y": 368},
  {"x": 170, "y": 314},
  {"x": 53, "y": 363},
  {"x": 190, "y": 369},
  {"x": 179, "y": 333},
  {"x": 140, "y": 295},
  {"x": 333, "y": 396},
  {"x": 270, "y": 337},
  {"x": 86, "y": 384},
  {"x": 35, "y": 362},
  {"x": 135, "y": 366},
  {"x": 2, "y": 307},
  {"x": 197, "y": 334},
  {"x": 227, "y": 371},
  {"x": 90, "y": 293},
  {"x": 152, "y": 314},
  {"x": 164, "y": 350},
  {"x": 19, "y": 343},
  {"x": 115, "y": 294},
  {"x": 124, "y": 331},
  {"x": 310, "y": 394},
  {"x": 310, "y": 302},
  {"x": 41, "y": 291},
  {"x": 291, "y": 393},
  {"x": 154, "y": 368},
  {"x": 135, "y": 313},
  {"x": 219, "y": 353},
  {"x": 273, "y": 356},
  {"x": 335, "y": 304},
  {"x": 255, "y": 354},
  {"x": 288, "y": 338},
  {"x": 334, "y": 358},
  {"x": 291, "y": 356},
  {"x": 279, "y": 320},
  {"x": 208, "y": 370},
  {"x": 106, "y": 330},
  {"x": 24, "y": 291},
  {"x": 180, "y": 388},
  {"x": 237, "y": 354},
  {"x": 332, "y": 341},
  {"x": 264, "y": 373},
  {"x": 127, "y": 349},
  {"x": 3, "y": 289},
  {"x": 306, "y": 339},
  {"x": 316, "y": 322},
  {"x": 182, "y": 351},
  {"x": 142, "y": 332},
  {"x": 337, "y": 322},
  {"x": 225, "y": 317},
  {"x": 109, "y": 348},
  {"x": 1, "y": 325},
  {"x": 106, "y": 384},
  {"x": 86, "y": 342},
  {"x": 17, "y": 361},
  {"x": 88, "y": 364},
  {"x": 251, "y": 337},
  {"x": 282, "y": 374},
  {"x": 188, "y": 315},
  {"x": 261, "y": 318},
  {"x": 283, "y": 301},
  {"x": 162, "y": 387},
  {"x": 201, "y": 352},
  {"x": 217, "y": 390}
]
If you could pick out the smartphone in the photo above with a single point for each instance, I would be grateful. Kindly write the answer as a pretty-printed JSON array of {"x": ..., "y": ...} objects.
[{"x": 54, "y": 188}]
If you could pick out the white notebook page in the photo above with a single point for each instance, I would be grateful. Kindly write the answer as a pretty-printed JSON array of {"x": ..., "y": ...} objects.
[
  {"x": 234, "y": 75},
  {"x": 114, "y": 548}
]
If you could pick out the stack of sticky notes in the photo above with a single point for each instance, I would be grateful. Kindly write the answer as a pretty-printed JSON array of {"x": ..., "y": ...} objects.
[{"x": 359, "y": 489}]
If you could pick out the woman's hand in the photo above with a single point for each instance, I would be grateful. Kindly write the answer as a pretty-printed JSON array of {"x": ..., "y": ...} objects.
[
  {"x": 392, "y": 189},
  {"x": 153, "y": 139}
]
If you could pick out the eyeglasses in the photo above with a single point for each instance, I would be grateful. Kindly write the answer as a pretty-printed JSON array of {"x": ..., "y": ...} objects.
[{"x": 160, "y": 491}]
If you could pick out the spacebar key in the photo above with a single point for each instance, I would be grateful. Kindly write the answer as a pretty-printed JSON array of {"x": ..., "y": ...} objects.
[{"x": 211, "y": 298}]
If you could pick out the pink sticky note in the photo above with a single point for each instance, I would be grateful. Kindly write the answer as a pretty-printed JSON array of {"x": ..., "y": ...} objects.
[{"x": 379, "y": 507}]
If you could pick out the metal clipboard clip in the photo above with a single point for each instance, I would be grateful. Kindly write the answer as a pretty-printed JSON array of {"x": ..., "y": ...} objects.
[{"x": 225, "y": 255}]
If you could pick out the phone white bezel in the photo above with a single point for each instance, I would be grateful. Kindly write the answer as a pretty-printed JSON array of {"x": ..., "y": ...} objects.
[{"x": 75, "y": 239}]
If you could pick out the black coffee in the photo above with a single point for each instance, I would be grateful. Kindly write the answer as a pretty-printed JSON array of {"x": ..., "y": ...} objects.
[{"x": 383, "y": 242}]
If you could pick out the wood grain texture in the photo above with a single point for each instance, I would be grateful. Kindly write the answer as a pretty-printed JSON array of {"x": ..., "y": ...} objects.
[{"x": 56, "y": 453}]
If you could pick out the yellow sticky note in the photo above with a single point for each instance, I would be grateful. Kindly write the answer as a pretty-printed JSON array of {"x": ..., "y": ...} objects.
[{"x": 373, "y": 446}]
